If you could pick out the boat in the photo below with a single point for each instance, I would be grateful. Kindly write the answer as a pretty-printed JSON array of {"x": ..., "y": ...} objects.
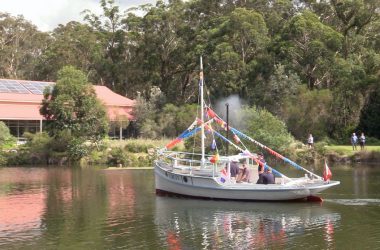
[{"x": 200, "y": 175}]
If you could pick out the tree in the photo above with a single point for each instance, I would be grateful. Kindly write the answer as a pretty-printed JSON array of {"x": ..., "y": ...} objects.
[
  {"x": 311, "y": 47},
  {"x": 20, "y": 46},
  {"x": 73, "y": 44},
  {"x": 265, "y": 128},
  {"x": 72, "y": 106},
  {"x": 280, "y": 86},
  {"x": 308, "y": 112},
  {"x": 5, "y": 136},
  {"x": 113, "y": 41}
]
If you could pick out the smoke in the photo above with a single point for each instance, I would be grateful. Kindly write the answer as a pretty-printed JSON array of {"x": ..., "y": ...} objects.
[{"x": 235, "y": 104}]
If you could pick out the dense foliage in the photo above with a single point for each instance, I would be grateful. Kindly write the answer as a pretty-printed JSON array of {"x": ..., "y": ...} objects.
[
  {"x": 73, "y": 112},
  {"x": 314, "y": 64}
]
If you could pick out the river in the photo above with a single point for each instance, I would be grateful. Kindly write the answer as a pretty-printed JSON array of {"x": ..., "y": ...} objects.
[{"x": 63, "y": 208}]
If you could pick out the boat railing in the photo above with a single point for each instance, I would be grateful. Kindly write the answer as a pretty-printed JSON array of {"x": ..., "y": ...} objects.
[{"x": 188, "y": 162}]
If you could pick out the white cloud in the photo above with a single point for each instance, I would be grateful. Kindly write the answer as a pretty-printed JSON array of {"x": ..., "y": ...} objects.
[{"x": 48, "y": 14}]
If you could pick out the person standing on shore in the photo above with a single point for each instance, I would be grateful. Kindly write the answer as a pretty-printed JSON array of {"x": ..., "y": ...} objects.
[
  {"x": 354, "y": 141},
  {"x": 310, "y": 141},
  {"x": 362, "y": 141}
]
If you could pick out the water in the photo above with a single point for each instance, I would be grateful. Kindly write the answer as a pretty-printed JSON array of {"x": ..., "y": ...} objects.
[{"x": 61, "y": 208}]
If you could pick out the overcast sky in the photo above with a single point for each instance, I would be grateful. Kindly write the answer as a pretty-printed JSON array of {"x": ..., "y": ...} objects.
[{"x": 47, "y": 14}]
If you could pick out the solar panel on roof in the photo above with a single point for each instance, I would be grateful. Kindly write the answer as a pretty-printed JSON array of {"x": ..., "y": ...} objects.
[
  {"x": 12, "y": 86},
  {"x": 36, "y": 87}
]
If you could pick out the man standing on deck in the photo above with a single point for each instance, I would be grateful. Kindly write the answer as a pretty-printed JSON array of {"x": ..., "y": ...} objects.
[
  {"x": 234, "y": 170},
  {"x": 261, "y": 168}
]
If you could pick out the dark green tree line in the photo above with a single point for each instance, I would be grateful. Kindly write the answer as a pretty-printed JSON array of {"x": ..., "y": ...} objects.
[{"x": 314, "y": 64}]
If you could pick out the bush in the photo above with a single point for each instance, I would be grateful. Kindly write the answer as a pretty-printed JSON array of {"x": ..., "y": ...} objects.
[
  {"x": 265, "y": 128},
  {"x": 118, "y": 156},
  {"x": 6, "y": 139}
]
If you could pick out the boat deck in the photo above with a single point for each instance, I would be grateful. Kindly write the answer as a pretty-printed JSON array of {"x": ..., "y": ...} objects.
[{"x": 197, "y": 171}]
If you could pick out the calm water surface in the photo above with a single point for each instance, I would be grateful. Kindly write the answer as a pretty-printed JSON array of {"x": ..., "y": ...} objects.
[{"x": 59, "y": 208}]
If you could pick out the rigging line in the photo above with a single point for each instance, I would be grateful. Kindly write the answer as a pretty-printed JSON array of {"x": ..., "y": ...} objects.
[
  {"x": 269, "y": 149},
  {"x": 275, "y": 153},
  {"x": 250, "y": 154}
]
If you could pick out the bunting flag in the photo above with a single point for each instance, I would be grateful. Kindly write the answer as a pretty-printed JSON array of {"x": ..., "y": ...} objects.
[
  {"x": 326, "y": 173},
  {"x": 214, "y": 158},
  {"x": 187, "y": 133},
  {"x": 213, "y": 144},
  {"x": 236, "y": 139},
  {"x": 210, "y": 113}
]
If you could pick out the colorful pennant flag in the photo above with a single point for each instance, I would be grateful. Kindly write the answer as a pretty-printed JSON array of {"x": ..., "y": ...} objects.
[
  {"x": 213, "y": 144},
  {"x": 326, "y": 173},
  {"x": 214, "y": 158},
  {"x": 210, "y": 113},
  {"x": 236, "y": 139}
]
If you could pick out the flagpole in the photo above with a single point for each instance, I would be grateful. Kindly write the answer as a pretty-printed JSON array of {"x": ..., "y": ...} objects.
[{"x": 202, "y": 113}]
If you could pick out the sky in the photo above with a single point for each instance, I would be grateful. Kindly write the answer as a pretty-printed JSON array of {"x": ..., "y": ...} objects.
[{"x": 48, "y": 14}]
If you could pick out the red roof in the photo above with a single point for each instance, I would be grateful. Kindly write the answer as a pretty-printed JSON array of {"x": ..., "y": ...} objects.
[
  {"x": 17, "y": 106},
  {"x": 110, "y": 98}
]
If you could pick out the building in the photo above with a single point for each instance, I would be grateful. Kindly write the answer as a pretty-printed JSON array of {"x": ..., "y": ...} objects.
[{"x": 20, "y": 102}]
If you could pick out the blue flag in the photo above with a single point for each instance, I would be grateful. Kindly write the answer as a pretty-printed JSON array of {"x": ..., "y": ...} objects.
[{"x": 213, "y": 144}]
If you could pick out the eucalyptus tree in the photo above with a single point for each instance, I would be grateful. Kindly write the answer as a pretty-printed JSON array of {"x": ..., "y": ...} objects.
[
  {"x": 112, "y": 38},
  {"x": 168, "y": 46},
  {"x": 239, "y": 41},
  {"x": 20, "y": 46},
  {"x": 311, "y": 47},
  {"x": 73, "y": 44}
]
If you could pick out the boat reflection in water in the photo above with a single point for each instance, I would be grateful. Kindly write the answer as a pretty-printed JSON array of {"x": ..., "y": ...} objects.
[{"x": 196, "y": 224}]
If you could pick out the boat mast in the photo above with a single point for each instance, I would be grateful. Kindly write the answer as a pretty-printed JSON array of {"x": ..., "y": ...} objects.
[{"x": 202, "y": 113}]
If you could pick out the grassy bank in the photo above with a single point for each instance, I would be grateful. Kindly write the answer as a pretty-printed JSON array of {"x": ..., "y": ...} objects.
[
  {"x": 346, "y": 154},
  {"x": 133, "y": 153},
  {"x": 347, "y": 150},
  {"x": 141, "y": 153}
]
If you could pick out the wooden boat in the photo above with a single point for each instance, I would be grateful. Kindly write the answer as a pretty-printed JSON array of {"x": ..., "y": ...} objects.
[{"x": 208, "y": 176}]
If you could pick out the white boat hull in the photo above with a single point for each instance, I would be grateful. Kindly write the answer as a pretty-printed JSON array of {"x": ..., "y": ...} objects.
[{"x": 208, "y": 187}]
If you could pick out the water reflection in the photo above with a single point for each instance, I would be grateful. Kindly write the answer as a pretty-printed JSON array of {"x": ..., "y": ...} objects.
[
  {"x": 241, "y": 225},
  {"x": 360, "y": 181}
]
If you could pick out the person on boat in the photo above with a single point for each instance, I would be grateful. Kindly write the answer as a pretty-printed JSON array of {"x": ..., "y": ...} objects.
[
  {"x": 245, "y": 174},
  {"x": 234, "y": 170},
  {"x": 261, "y": 168},
  {"x": 268, "y": 177}
]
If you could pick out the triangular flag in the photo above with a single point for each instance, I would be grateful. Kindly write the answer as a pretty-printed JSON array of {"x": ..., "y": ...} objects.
[
  {"x": 210, "y": 113},
  {"x": 236, "y": 139},
  {"x": 214, "y": 158},
  {"x": 213, "y": 144},
  {"x": 326, "y": 173}
]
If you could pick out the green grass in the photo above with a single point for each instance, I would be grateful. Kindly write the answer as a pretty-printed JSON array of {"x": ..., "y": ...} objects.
[
  {"x": 155, "y": 143},
  {"x": 347, "y": 150}
]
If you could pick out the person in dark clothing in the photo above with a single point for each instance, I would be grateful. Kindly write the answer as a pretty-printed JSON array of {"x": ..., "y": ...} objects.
[
  {"x": 234, "y": 170},
  {"x": 261, "y": 168},
  {"x": 362, "y": 141},
  {"x": 268, "y": 177}
]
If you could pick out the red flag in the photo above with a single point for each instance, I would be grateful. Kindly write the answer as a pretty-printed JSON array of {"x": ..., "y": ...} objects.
[
  {"x": 236, "y": 139},
  {"x": 211, "y": 113},
  {"x": 326, "y": 173},
  {"x": 214, "y": 158}
]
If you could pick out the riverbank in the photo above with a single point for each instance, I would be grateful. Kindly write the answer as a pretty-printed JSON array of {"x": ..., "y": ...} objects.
[
  {"x": 345, "y": 153},
  {"x": 140, "y": 153}
]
